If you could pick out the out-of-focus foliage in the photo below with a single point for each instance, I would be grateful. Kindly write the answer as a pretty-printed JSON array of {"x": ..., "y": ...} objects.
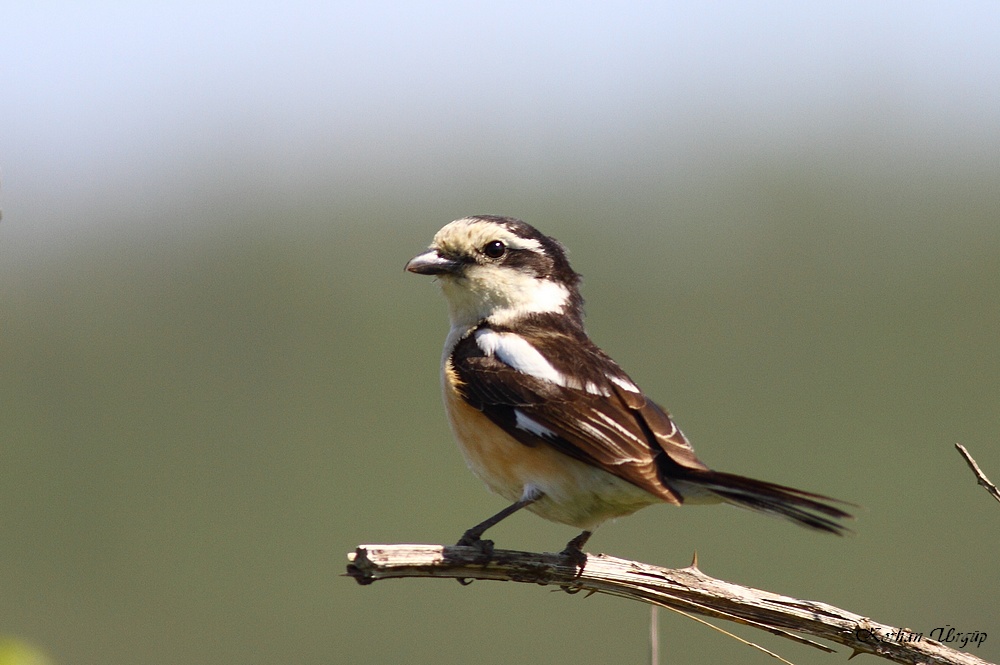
[{"x": 19, "y": 652}]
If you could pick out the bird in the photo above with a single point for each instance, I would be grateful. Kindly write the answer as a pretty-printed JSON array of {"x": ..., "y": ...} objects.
[{"x": 544, "y": 417}]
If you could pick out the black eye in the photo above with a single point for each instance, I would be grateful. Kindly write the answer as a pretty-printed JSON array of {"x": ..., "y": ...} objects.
[{"x": 494, "y": 249}]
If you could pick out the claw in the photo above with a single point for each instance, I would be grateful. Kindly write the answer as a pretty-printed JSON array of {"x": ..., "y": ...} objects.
[
  {"x": 577, "y": 557},
  {"x": 485, "y": 547},
  {"x": 574, "y": 551}
]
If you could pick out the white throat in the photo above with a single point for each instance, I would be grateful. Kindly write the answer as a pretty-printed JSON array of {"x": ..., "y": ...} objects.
[{"x": 500, "y": 295}]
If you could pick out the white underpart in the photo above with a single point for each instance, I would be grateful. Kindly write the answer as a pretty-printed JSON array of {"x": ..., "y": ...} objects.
[
  {"x": 523, "y": 294},
  {"x": 500, "y": 295},
  {"x": 528, "y": 425},
  {"x": 531, "y": 492}
]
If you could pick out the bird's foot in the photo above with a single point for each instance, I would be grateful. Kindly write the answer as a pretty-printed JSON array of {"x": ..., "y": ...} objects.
[
  {"x": 574, "y": 551},
  {"x": 472, "y": 539}
]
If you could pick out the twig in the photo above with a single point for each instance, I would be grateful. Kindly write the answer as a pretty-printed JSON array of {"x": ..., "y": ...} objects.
[
  {"x": 980, "y": 476},
  {"x": 654, "y": 635},
  {"x": 687, "y": 589}
]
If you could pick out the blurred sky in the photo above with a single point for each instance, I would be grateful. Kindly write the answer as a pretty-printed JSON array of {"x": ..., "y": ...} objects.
[{"x": 111, "y": 103}]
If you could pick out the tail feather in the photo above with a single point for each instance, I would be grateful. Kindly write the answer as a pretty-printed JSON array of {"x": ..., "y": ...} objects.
[{"x": 804, "y": 508}]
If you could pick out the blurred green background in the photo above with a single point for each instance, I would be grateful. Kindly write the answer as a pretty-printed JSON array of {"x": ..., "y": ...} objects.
[{"x": 217, "y": 380}]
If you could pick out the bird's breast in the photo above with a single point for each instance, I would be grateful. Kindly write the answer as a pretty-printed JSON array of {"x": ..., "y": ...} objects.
[{"x": 576, "y": 493}]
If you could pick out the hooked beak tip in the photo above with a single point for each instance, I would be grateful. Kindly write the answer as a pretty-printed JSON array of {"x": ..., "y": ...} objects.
[{"x": 431, "y": 263}]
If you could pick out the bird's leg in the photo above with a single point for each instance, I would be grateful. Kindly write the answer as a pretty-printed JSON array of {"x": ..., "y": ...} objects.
[
  {"x": 473, "y": 536},
  {"x": 574, "y": 550}
]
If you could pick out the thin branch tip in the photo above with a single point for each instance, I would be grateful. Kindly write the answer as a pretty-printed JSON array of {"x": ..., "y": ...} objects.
[{"x": 977, "y": 472}]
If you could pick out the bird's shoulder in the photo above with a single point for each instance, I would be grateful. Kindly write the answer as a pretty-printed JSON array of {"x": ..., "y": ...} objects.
[
  {"x": 544, "y": 376},
  {"x": 542, "y": 346}
]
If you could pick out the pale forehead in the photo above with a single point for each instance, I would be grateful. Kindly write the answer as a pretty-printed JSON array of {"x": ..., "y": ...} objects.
[{"x": 466, "y": 234}]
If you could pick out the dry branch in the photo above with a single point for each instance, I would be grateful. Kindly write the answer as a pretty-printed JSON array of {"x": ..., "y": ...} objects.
[
  {"x": 980, "y": 476},
  {"x": 686, "y": 589}
]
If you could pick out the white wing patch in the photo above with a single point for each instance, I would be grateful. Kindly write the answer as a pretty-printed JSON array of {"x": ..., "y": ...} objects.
[
  {"x": 517, "y": 352},
  {"x": 529, "y": 425},
  {"x": 624, "y": 384}
]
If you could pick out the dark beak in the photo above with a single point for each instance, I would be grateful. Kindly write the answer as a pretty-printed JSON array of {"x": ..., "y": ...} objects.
[{"x": 432, "y": 263}]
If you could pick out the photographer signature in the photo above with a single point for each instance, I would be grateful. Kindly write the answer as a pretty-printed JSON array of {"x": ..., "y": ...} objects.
[{"x": 946, "y": 634}]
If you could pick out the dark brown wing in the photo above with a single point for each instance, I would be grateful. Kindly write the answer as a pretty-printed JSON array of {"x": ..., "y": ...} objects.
[{"x": 594, "y": 413}]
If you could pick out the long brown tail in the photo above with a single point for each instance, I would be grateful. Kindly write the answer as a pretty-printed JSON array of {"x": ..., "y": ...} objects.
[{"x": 804, "y": 508}]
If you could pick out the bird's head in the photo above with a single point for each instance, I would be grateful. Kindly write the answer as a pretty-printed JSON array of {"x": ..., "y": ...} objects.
[{"x": 499, "y": 269}]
